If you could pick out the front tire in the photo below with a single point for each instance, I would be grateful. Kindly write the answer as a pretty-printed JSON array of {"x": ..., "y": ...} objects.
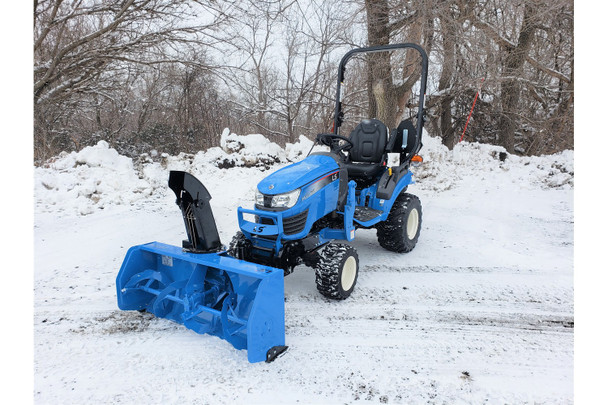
[
  {"x": 239, "y": 247},
  {"x": 337, "y": 271},
  {"x": 400, "y": 232}
]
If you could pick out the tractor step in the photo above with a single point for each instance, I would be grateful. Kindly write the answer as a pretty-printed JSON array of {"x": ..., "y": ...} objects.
[{"x": 366, "y": 214}]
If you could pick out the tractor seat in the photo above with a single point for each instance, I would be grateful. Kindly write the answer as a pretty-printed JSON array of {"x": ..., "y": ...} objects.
[{"x": 366, "y": 158}]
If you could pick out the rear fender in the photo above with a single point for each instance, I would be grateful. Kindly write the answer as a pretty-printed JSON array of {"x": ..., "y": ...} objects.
[
  {"x": 368, "y": 197},
  {"x": 386, "y": 205}
]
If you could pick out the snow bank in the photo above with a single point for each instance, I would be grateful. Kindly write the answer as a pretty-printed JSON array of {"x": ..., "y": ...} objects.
[
  {"x": 248, "y": 150},
  {"x": 298, "y": 150},
  {"x": 97, "y": 176},
  {"x": 443, "y": 168},
  {"x": 83, "y": 181}
]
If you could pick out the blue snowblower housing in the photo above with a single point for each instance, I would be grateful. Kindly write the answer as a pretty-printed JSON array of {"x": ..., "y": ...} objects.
[{"x": 300, "y": 212}]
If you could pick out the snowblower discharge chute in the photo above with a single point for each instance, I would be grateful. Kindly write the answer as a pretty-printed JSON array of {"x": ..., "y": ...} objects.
[{"x": 304, "y": 214}]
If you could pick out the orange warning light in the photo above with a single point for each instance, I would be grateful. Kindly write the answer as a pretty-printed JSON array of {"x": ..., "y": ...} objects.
[{"x": 417, "y": 159}]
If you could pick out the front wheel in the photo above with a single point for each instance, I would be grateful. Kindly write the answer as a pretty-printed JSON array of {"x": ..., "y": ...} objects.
[
  {"x": 240, "y": 247},
  {"x": 400, "y": 231},
  {"x": 337, "y": 270}
]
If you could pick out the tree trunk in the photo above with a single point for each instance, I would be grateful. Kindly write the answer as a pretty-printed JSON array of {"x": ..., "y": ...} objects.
[
  {"x": 510, "y": 88},
  {"x": 383, "y": 106},
  {"x": 445, "y": 81}
]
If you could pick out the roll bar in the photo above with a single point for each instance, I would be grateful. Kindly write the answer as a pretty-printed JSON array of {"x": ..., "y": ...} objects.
[{"x": 339, "y": 115}]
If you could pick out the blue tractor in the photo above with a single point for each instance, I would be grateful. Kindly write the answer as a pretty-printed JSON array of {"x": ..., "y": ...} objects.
[
  {"x": 303, "y": 213},
  {"x": 301, "y": 210}
]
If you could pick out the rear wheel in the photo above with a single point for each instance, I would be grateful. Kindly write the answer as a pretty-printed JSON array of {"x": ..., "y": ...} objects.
[
  {"x": 337, "y": 270},
  {"x": 400, "y": 232}
]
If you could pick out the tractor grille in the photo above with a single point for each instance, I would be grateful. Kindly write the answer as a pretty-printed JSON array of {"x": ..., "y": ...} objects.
[
  {"x": 264, "y": 220},
  {"x": 295, "y": 224}
]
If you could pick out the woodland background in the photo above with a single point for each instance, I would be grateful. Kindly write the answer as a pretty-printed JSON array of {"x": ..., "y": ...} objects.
[{"x": 169, "y": 75}]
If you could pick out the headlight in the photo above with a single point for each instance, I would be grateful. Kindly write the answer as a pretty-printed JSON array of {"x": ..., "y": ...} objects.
[
  {"x": 286, "y": 200},
  {"x": 259, "y": 198}
]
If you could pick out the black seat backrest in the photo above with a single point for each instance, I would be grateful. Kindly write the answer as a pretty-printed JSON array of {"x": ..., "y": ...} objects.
[
  {"x": 369, "y": 141},
  {"x": 404, "y": 135}
]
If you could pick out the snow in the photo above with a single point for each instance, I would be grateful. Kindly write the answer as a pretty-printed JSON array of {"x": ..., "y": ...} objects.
[
  {"x": 481, "y": 311},
  {"x": 90, "y": 179}
]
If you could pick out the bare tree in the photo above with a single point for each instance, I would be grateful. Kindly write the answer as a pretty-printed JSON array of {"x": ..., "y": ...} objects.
[
  {"x": 310, "y": 36},
  {"x": 388, "y": 99},
  {"x": 515, "y": 30},
  {"x": 249, "y": 73},
  {"x": 159, "y": 73},
  {"x": 82, "y": 49},
  {"x": 281, "y": 65}
]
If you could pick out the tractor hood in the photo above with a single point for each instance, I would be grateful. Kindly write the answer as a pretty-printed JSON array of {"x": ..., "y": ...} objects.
[{"x": 297, "y": 175}]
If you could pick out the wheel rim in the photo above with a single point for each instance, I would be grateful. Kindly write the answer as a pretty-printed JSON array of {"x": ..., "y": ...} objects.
[
  {"x": 412, "y": 224},
  {"x": 349, "y": 272}
]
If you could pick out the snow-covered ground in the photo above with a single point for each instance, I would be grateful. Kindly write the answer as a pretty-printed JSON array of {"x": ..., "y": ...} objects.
[{"x": 481, "y": 311}]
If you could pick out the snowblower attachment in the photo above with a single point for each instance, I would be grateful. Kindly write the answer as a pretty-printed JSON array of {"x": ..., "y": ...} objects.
[{"x": 209, "y": 292}]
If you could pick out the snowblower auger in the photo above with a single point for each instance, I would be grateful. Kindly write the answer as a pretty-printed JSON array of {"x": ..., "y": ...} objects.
[{"x": 201, "y": 287}]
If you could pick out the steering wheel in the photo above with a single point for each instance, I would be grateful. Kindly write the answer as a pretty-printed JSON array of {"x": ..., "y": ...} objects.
[{"x": 332, "y": 140}]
